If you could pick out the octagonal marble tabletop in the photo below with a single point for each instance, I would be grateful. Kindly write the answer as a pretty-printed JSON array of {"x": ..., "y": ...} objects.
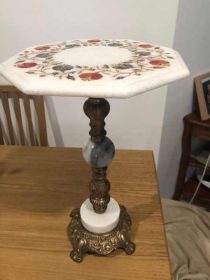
[{"x": 94, "y": 68}]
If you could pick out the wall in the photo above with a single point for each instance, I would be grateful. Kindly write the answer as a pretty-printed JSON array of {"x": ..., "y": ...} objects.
[
  {"x": 135, "y": 123},
  {"x": 192, "y": 40}
]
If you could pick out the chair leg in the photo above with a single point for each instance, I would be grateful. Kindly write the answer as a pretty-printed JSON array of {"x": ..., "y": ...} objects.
[{"x": 186, "y": 150}]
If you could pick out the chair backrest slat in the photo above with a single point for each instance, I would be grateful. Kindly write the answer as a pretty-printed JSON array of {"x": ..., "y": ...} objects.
[
  {"x": 10, "y": 92},
  {"x": 19, "y": 118},
  {"x": 27, "y": 108},
  {"x": 39, "y": 105},
  {"x": 1, "y": 134},
  {"x": 5, "y": 103}
]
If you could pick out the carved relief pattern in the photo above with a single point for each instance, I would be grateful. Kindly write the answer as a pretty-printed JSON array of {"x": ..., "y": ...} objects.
[
  {"x": 84, "y": 241},
  {"x": 99, "y": 190}
]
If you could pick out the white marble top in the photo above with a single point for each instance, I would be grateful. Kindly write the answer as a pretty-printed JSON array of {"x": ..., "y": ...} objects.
[{"x": 94, "y": 68}]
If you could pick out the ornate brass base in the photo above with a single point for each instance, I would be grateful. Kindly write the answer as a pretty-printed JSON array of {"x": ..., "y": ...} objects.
[{"x": 84, "y": 241}]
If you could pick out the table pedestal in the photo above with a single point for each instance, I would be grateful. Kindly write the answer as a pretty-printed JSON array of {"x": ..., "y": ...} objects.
[{"x": 100, "y": 226}]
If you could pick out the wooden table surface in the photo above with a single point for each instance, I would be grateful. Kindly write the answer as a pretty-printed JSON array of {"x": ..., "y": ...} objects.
[{"x": 39, "y": 187}]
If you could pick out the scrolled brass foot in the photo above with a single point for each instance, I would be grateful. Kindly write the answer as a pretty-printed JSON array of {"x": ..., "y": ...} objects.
[
  {"x": 130, "y": 248},
  {"x": 76, "y": 255},
  {"x": 84, "y": 241}
]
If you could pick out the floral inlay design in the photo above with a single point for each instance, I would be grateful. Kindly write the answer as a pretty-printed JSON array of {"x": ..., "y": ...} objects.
[{"x": 144, "y": 57}]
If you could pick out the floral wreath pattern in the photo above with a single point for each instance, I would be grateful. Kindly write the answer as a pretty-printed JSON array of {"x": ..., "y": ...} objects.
[{"x": 144, "y": 57}]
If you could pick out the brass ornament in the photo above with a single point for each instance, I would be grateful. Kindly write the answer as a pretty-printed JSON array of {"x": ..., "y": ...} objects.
[
  {"x": 97, "y": 109},
  {"x": 84, "y": 241},
  {"x": 99, "y": 190}
]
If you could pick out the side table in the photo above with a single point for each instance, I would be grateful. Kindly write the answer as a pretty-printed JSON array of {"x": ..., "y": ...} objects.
[
  {"x": 193, "y": 127},
  {"x": 97, "y": 69}
]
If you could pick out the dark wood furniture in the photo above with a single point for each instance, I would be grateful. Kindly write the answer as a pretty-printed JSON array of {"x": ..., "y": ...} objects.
[
  {"x": 39, "y": 186},
  {"x": 13, "y": 130},
  {"x": 193, "y": 127}
]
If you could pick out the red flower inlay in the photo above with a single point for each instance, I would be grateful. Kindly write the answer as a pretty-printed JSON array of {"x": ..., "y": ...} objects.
[
  {"x": 146, "y": 46},
  {"x": 159, "y": 62},
  {"x": 90, "y": 76},
  {"x": 27, "y": 65},
  {"x": 94, "y": 40},
  {"x": 42, "y": 48}
]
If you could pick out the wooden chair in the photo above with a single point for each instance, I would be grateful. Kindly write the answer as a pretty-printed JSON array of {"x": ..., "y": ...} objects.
[{"x": 25, "y": 133}]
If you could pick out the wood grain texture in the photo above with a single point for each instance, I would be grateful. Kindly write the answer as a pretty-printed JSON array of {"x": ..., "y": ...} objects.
[{"x": 39, "y": 186}]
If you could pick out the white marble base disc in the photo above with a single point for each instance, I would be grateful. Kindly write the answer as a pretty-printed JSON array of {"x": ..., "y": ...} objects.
[{"x": 100, "y": 223}]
